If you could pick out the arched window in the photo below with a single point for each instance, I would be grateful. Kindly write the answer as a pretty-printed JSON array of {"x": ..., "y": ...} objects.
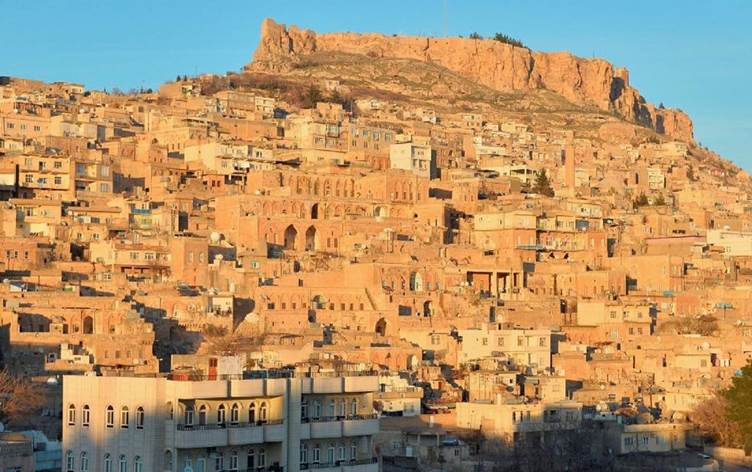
[
  {"x": 71, "y": 414},
  {"x": 342, "y": 408},
  {"x": 138, "y": 465},
  {"x": 354, "y": 407},
  {"x": 123, "y": 467},
  {"x": 262, "y": 412},
  {"x": 189, "y": 415},
  {"x": 70, "y": 462},
  {"x": 234, "y": 414},
  {"x": 107, "y": 463},
  {"x": 84, "y": 462},
  {"x": 202, "y": 412},
  {"x": 110, "y": 416},
  {"x": 140, "y": 418},
  {"x": 221, "y": 415},
  {"x": 168, "y": 460},
  {"x": 85, "y": 415},
  {"x": 124, "y": 417},
  {"x": 252, "y": 413},
  {"x": 332, "y": 408}
]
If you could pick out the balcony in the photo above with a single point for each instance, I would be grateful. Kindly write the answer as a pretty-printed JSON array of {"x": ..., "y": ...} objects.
[
  {"x": 362, "y": 426},
  {"x": 352, "y": 382},
  {"x": 336, "y": 427},
  {"x": 220, "y": 435}
]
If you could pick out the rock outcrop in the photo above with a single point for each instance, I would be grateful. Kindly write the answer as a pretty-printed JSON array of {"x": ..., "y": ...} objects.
[{"x": 494, "y": 64}]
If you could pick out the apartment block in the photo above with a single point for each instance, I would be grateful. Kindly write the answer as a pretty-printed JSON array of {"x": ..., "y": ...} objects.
[{"x": 266, "y": 424}]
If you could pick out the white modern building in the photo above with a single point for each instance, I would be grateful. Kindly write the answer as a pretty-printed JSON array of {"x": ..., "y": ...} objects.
[{"x": 132, "y": 424}]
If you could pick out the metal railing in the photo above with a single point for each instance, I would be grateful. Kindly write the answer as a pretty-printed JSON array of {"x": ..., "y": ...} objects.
[
  {"x": 340, "y": 463},
  {"x": 227, "y": 425},
  {"x": 326, "y": 419}
]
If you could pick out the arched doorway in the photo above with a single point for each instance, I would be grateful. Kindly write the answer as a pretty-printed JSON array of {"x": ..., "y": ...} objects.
[
  {"x": 427, "y": 308},
  {"x": 88, "y": 325},
  {"x": 381, "y": 327},
  {"x": 310, "y": 239},
  {"x": 291, "y": 234}
]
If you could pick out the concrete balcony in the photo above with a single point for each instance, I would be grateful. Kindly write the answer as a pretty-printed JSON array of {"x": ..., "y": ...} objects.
[
  {"x": 213, "y": 435},
  {"x": 336, "y": 427},
  {"x": 351, "y": 384},
  {"x": 362, "y": 465},
  {"x": 274, "y": 432},
  {"x": 326, "y": 429},
  {"x": 201, "y": 436},
  {"x": 360, "y": 426},
  {"x": 245, "y": 433}
]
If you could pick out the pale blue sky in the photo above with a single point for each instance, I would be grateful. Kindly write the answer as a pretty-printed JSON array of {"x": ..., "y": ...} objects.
[{"x": 691, "y": 54}]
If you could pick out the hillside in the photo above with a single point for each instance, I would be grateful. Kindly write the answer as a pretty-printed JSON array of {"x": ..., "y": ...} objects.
[{"x": 499, "y": 66}]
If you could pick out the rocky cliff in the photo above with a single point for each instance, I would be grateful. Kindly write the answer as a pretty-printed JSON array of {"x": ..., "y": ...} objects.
[{"x": 494, "y": 64}]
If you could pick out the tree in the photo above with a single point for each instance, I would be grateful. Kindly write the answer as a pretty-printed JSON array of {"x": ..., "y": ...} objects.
[
  {"x": 503, "y": 38},
  {"x": 19, "y": 398},
  {"x": 311, "y": 96},
  {"x": 739, "y": 398},
  {"x": 660, "y": 201},
  {"x": 475, "y": 35},
  {"x": 712, "y": 419},
  {"x": 542, "y": 184}
]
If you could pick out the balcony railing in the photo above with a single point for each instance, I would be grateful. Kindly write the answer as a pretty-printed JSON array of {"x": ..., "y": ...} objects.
[
  {"x": 327, "y": 465},
  {"x": 204, "y": 427},
  {"x": 273, "y": 468},
  {"x": 325, "y": 419}
]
